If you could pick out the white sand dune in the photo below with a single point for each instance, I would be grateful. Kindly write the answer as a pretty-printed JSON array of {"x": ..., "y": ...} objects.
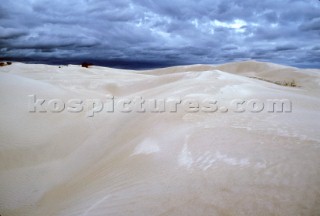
[{"x": 159, "y": 163}]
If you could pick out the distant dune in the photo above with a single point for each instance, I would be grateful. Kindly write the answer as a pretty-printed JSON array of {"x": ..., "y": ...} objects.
[{"x": 184, "y": 163}]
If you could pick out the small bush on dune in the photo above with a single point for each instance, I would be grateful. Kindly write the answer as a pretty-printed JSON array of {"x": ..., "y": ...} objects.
[
  {"x": 86, "y": 64},
  {"x": 5, "y": 63},
  {"x": 282, "y": 83},
  {"x": 293, "y": 83},
  {"x": 286, "y": 83}
]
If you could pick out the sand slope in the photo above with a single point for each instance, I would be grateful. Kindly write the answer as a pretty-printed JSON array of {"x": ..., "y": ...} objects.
[{"x": 159, "y": 164}]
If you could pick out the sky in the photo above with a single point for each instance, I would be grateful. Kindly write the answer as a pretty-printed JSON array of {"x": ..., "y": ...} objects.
[{"x": 158, "y": 33}]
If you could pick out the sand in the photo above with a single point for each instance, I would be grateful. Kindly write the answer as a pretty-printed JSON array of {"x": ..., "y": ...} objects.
[{"x": 160, "y": 163}]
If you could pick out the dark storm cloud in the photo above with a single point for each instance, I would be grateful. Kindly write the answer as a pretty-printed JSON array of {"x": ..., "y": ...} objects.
[
  {"x": 286, "y": 48},
  {"x": 11, "y": 33},
  {"x": 162, "y": 32},
  {"x": 313, "y": 25}
]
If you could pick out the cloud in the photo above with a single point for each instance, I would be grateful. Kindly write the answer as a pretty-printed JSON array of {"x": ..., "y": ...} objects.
[
  {"x": 286, "y": 48},
  {"x": 11, "y": 33},
  {"x": 313, "y": 25},
  {"x": 165, "y": 32}
]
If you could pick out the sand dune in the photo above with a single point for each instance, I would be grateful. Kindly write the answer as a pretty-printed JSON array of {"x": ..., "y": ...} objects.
[{"x": 160, "y": 163}]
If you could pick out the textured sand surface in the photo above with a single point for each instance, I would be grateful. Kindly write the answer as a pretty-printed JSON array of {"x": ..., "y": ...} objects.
[{"x": 159, "y": 164}]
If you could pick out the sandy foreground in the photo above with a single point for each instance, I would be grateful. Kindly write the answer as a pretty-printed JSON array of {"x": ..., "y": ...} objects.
[{"x": 160, "y": 163}]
